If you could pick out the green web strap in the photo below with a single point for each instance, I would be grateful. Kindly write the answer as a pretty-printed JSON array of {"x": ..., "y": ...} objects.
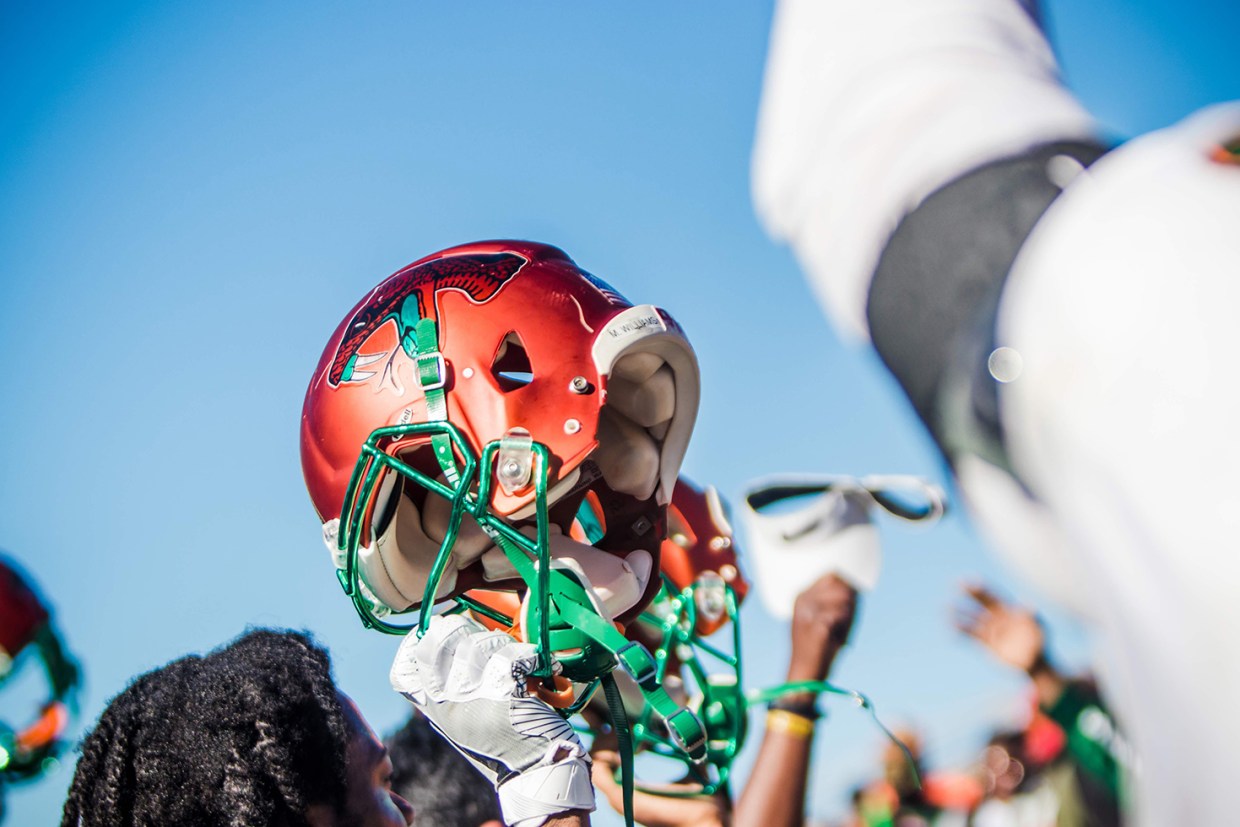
[
  {"x": 433, "y": 376},
  {"x": 761, "y": 696},
  {"x": 568, "y": 600},
  {"x": 624, "y": 742}
]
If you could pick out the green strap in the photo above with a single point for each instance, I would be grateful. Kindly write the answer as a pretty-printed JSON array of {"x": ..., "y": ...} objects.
[
  {"x": 433, "y": 376},
  {"x": 684, "y": 727},
  {"x": 624, "y": 742},
  {"x": 762, "y": 696}
]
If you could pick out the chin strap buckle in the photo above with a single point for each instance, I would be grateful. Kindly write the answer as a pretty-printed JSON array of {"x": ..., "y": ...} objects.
[
  {"x": 637, "y": 661},
  {"x": 688, "y": 733},
  {"x": 432, "y": 370}
]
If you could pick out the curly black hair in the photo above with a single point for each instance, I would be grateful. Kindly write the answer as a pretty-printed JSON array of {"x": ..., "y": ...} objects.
[
  {"x": 251, "y": 734},
  {"x": 444, "y": 788}
]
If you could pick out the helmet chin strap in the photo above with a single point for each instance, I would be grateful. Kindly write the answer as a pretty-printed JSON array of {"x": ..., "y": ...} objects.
[{"x": 432, "y": 376}]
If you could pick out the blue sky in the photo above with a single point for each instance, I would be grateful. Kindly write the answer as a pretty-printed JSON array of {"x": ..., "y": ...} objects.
[{"x": 192, "y": 195}]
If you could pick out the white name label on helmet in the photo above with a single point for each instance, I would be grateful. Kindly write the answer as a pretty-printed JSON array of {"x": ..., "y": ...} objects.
[{"x": 626, "y": 325}]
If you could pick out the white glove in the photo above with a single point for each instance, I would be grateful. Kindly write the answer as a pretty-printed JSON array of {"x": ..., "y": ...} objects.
[{"x": 471, "y": 685}]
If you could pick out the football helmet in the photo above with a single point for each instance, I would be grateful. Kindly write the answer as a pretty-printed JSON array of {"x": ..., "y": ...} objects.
[
  {"x": 703, "y": 588},
  {"x": 458, "y": 417},
  {"x": 699, "y": 555},
  {"x": 26, "y": 626}
]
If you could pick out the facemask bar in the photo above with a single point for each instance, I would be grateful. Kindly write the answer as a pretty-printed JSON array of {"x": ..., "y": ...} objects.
[{"x": 472, "y": 473}]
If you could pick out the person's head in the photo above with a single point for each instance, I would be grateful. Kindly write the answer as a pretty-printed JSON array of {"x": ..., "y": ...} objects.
[
  {"x": 253, "y": 733},
  {"x": 444, "y": 789}
]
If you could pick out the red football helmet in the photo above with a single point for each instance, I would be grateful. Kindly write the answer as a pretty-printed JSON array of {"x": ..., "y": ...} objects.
[
  {"x": 474, "y": 398},
  {"x": 699, "y": 553}
]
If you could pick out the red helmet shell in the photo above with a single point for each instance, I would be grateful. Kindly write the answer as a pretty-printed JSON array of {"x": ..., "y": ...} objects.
[{"x": 478, "y": 294}]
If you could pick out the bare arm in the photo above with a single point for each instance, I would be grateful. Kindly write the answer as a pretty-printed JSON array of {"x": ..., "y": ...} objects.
[
  {"x": 775, "y": 793},
  {"x": 774, "y": 796},
  {"x": 1014, "y": 636}
]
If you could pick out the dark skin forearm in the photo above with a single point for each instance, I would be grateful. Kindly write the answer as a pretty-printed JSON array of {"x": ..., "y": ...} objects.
[{"x": 775, "y": 793}]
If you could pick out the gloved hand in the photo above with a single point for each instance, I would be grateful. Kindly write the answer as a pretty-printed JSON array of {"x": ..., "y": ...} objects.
[{"x": 471, "y": 686}]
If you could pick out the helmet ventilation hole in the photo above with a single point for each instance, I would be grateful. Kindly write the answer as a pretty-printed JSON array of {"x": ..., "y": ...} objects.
[{"x": 511, "y": 365}]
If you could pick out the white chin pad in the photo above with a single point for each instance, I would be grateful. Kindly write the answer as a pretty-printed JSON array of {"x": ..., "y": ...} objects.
[
  {"x": 617, "y": 583},
  {"x": 398, "y": 565},
  {"x": 627, "y": 455}
]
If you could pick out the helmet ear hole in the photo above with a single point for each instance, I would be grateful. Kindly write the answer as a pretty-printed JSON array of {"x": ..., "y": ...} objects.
[{"x": 511, "y": 365}]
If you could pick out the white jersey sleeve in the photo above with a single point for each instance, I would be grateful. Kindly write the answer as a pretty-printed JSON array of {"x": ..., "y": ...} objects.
[
  {"x": 868, "y": 107},
  {"x": 1122, "y": 306}
]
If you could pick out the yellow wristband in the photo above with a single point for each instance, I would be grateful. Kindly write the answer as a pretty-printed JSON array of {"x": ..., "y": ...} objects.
[{"x": 781, "y": 720}]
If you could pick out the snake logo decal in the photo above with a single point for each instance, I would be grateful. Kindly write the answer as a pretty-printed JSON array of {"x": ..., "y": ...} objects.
[{"x": 410, "y": 295}]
